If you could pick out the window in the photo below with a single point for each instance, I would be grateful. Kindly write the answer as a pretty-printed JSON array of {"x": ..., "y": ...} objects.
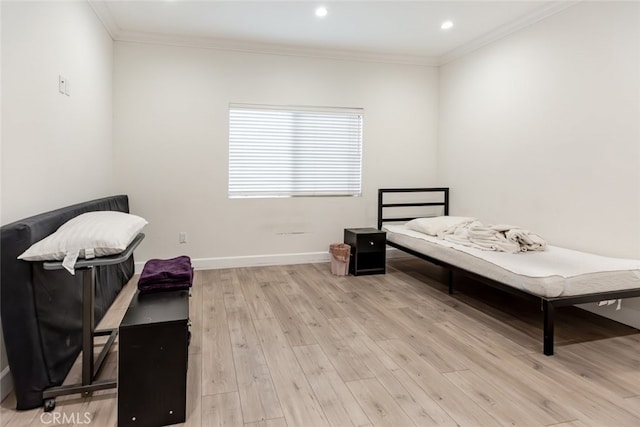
[{"x": 294, "y": 151}]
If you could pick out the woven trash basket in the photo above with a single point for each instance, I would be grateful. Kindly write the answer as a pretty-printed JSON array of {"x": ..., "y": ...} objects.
[{"x": 340, "y": 258}]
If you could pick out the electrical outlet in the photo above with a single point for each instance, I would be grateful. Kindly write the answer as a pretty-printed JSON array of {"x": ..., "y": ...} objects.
[{"x": 182, "y": 237}]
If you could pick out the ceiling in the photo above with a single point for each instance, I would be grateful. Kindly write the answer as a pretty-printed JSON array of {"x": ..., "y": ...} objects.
[{"x": 400, "y": 31}]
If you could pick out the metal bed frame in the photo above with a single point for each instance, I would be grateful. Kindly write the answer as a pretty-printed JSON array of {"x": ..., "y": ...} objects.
[{"x": 547, "y": 305}]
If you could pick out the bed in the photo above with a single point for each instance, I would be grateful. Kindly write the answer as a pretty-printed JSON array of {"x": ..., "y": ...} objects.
[
  {"x": 42, "y": 304},
  {"x": 554, "y": 278}
]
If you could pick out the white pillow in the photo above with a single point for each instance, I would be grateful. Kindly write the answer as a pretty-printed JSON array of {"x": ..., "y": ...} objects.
[
  {"x": 433, "y": 226},
  {"x": 89, "y": 235}
]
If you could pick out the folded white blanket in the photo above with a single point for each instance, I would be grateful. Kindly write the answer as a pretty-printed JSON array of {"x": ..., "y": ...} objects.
[{"x": 502, "y": 238}]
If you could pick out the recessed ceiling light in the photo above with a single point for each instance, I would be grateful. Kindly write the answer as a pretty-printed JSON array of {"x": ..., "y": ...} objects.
[
  {"x": 446, "y": 25},
  {"x": 321, "y": 12}
]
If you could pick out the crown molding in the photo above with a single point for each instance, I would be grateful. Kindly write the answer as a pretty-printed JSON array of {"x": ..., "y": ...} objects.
[
  {"x": 274, "y": 49},
  {"x": 537, "y": 15},
  {"x": 101, "y": 8}
]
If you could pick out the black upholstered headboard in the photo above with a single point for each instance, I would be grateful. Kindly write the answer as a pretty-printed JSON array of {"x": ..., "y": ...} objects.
[{"x": 41, "y": 310}]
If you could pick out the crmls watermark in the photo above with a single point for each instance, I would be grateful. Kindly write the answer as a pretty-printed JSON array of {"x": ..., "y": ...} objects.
[{"x": 55, "y": 418}]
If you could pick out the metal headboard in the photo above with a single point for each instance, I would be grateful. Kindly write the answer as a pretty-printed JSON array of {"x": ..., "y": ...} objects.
[{"x": 382, "y": 205}]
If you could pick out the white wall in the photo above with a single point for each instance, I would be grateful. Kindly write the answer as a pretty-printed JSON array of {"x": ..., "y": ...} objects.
[
  {"x": 542, "y": 129},
  {"x": 56, "y": 149},
  {"x": 171, "y": 145}
]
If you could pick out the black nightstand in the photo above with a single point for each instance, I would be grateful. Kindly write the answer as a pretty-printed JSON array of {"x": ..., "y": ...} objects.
[{"x": 368, "y": 250}]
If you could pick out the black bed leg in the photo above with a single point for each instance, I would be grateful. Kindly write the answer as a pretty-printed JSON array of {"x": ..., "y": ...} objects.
[
  {"x": 548, "y": 313},
  {"x": 450, "y": 280}
]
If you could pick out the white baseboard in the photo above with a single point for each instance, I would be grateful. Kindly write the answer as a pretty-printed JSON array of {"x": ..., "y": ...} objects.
[
  {"x": 6, "y": 383},
  {"x": 262, "y": 260}
]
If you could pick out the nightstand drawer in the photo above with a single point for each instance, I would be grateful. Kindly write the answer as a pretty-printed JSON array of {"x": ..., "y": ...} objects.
[{"x": 371, "y": 242}]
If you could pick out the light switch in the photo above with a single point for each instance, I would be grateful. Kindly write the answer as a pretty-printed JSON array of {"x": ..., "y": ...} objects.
[{"x": 62, "y": 83}]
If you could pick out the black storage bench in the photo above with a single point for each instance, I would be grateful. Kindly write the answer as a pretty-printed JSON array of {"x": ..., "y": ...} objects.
[{"x": 152, "y": 359}]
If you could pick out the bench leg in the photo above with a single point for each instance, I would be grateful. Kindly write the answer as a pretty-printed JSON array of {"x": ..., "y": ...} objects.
[
  {"x": 548, "y": 313},
  {"x": 450, "y": 281},
  {"x": 88, "y": 323}
]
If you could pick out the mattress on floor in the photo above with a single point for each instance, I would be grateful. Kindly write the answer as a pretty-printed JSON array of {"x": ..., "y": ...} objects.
[{"x": 555, "y": 272}]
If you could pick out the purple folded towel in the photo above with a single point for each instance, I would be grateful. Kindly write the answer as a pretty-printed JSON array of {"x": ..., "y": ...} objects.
[{"x": 165, "y": 274}]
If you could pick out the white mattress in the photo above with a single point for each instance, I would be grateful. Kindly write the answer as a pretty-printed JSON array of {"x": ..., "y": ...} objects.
[{"x": 552, "y": 273}]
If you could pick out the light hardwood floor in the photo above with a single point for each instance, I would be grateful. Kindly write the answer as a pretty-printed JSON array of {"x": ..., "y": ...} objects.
[{"x": 296, "y": 346}]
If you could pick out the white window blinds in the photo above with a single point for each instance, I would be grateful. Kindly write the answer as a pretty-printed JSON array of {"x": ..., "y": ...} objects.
[{"x": 294, "y": 151}]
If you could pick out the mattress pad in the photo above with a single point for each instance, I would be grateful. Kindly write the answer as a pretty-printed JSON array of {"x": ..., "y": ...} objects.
[{"x": 552, "y": 273}]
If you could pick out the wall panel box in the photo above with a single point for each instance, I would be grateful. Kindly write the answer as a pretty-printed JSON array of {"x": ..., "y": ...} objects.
[{"x": 152, "y": 360}]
